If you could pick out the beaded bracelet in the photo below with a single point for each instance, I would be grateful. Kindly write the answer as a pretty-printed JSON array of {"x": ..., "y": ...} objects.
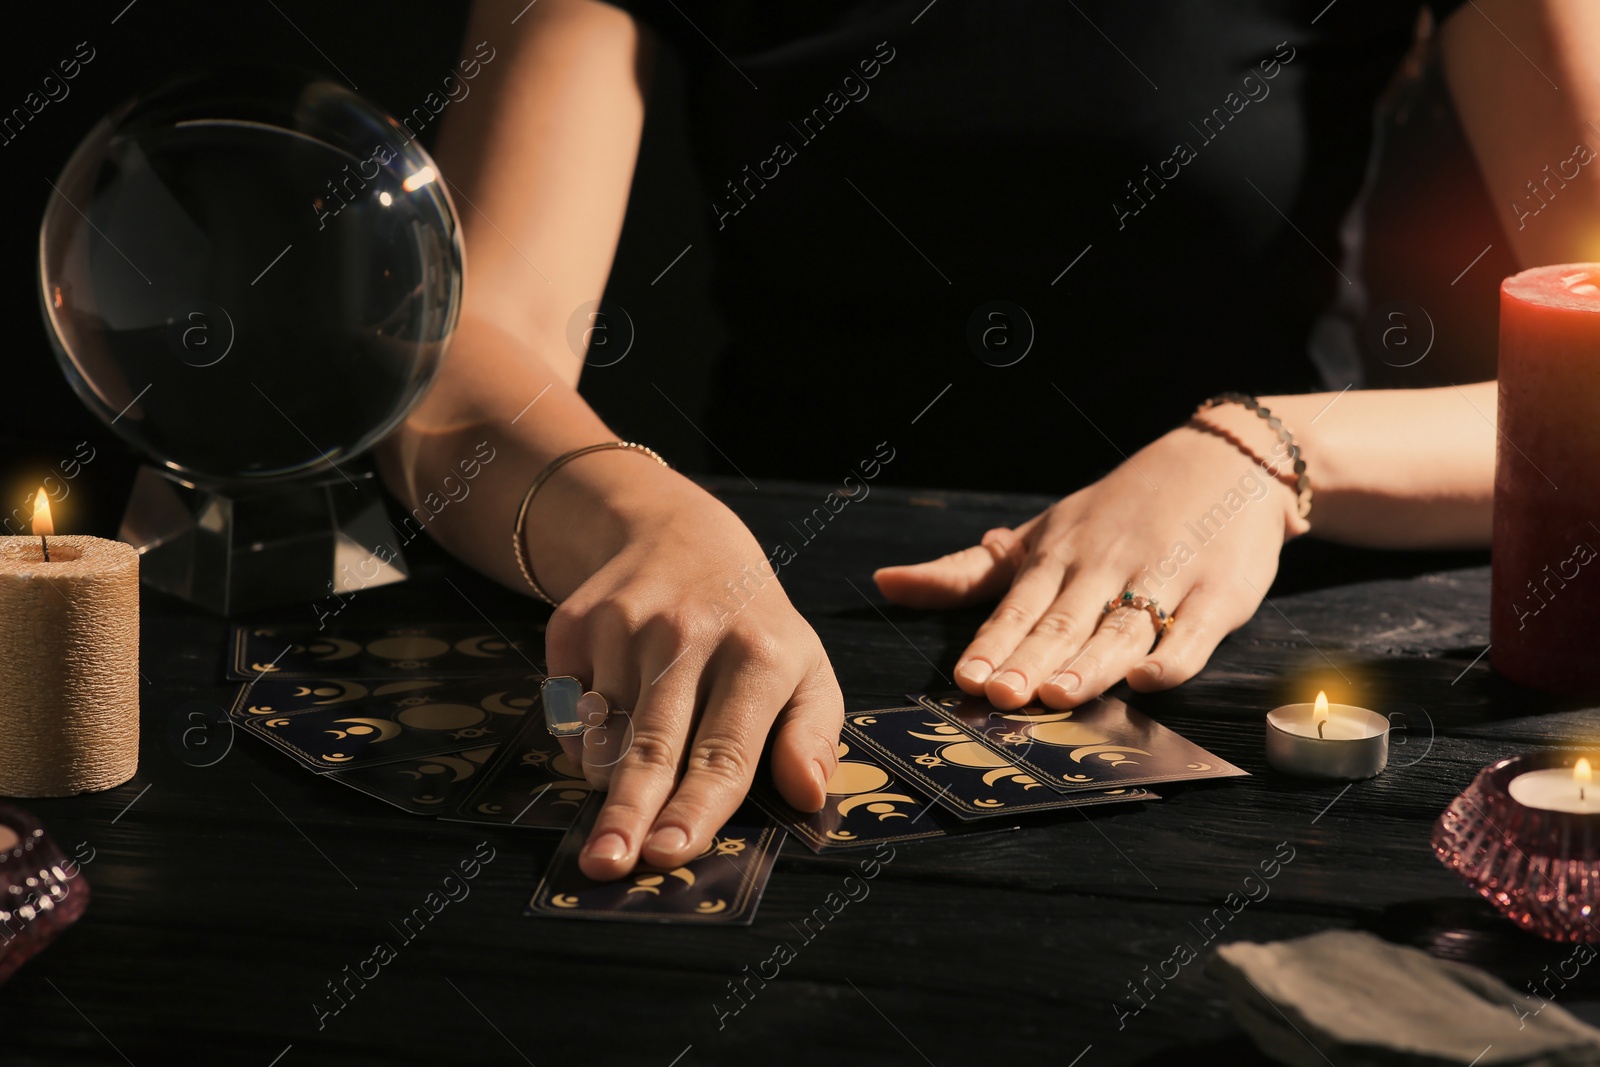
[
  {"x": 517, "y": 538},
  {"x": 1302, "y": 481}
]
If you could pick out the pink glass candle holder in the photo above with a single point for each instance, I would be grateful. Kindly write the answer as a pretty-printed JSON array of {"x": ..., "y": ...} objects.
[
  {"x": 1537, "y": 862},
  {"x": 42, "y": 892}
]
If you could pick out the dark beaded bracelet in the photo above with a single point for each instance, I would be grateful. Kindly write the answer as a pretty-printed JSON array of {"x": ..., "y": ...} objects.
[{"x": 1302, "y": 481}]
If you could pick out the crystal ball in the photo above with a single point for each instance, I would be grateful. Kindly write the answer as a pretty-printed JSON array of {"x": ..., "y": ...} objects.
[{"x": 250, "y": 276}]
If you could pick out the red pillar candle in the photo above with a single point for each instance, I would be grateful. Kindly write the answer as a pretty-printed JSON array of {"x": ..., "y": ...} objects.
[{"x": 1546, "y": 574}]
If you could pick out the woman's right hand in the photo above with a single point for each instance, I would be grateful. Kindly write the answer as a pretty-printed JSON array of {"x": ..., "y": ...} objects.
[{"x": 669, "y": 609}]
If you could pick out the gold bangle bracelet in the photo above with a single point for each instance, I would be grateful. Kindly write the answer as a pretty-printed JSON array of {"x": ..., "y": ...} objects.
[{"x": 550, "y": 468}]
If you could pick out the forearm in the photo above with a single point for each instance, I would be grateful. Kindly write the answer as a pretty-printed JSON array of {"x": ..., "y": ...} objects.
[
  {"x": 1401, "y": 468},
  {"x": 539, "y": 162}
]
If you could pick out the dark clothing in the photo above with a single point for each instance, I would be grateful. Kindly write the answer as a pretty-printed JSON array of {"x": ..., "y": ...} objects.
[{"x": 1159, "y": 187}]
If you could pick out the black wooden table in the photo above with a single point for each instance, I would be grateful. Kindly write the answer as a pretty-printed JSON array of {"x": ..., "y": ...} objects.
[{"x": 227, "y": 897}]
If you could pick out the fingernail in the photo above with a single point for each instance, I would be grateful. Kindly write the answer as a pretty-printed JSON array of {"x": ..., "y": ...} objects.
[
  {"x": 609, "y": 847},
  {"x": 819, "y": 773},
  {"x": 1151, "y": 669},
  {"x": 668, "y": 839},
  {"x": 1011, "y": 680},
  {"x": 1067, "y": 682},
  {"x": 974, "y": 670}
]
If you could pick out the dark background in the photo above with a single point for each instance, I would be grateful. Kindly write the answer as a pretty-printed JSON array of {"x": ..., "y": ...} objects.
[{"x": 1428, "y": 206}]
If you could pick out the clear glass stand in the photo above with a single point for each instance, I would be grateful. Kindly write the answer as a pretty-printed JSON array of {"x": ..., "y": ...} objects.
[{"x": 234, "y": 552}]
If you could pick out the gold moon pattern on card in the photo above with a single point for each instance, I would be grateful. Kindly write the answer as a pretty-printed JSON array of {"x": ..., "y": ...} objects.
[
  {"x": 564, "y": 900},
  {"x": 859, "y": 783},
  {"x": 385, "y": 729},
  {"x": 441, "y": 716},
  {"x": 485, "y": 646},
  {"x": 711, "y": 907},
  {"x": 327, "y": 649},
  {"x": 514, "y": 706},
  {"x": 977, "y": 755},
  {"x": 1112, "y": 754},
  {"x": 408, "y": 647}
]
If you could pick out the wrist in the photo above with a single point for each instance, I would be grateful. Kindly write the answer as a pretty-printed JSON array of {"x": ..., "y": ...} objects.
[
  {"x": 1278, "y": 461},
  {"x": 588, "y": 509}
]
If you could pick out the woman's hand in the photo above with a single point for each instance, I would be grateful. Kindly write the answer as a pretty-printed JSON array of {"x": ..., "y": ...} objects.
[
  {"x": 1190, "y": 521},
  {"x": 670, "y": 610}
]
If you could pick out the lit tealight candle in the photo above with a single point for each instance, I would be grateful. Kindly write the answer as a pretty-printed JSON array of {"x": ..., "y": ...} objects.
[
  {"x": 1558, "y": 789},
  {"x": 1323, "y": 740}
]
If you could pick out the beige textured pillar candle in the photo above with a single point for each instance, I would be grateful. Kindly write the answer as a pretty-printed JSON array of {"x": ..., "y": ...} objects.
[{"x": 69, "y": 665}]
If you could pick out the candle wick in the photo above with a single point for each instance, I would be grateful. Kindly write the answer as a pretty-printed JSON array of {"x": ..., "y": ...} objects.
[
  {"x": 46, "y": 546},
  {"x": 1320, "y": 724}
]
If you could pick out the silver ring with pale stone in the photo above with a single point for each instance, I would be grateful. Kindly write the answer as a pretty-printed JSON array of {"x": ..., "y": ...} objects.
[{"x": 569, "y": 709}]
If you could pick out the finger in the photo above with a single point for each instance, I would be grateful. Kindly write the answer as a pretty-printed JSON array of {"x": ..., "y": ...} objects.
[
  {"x": 640, "y": 780},
  {"x": 1123, "y": 639},
  {"x": 805, "y": 745},
  {"x": 745, "y": 698},
  {"x": 1202, "y": 620},
  {"x": 616, "y": 678},
  {"x": 567, "y": 655},
  {"x": 604, "y": 742},
  {"x": 1035, "y": 589},
  {"x": 960, "y": 579},
  {"x": 1064, "y": 628}
]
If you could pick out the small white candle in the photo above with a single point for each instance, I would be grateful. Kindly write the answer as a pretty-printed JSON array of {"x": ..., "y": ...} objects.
[
  {"x": 1558, "y": 789},
  {"x": 1322, "y": 740}
]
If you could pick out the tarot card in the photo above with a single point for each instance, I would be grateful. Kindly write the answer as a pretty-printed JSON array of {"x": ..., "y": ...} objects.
[
  {"x": 1103, "y": 744},
  {"x": 441, "y": 650},
  {"x": 722, "y": 885},
  {"x": 272, "y": 696},
  {"x": 402, "y": 725},
  {"x": 424, "y": 786},
  {"x": 865, "y": 806},
  {"x": 961, "y": 773},
  {"x": 530, "y": 783}
]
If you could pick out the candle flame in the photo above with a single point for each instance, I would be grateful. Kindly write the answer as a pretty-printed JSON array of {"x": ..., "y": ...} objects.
[
  {"x": 1581, "y": 772},
  {"x": 42, "y": 526},
  {"x": 1319, "y": 714}
]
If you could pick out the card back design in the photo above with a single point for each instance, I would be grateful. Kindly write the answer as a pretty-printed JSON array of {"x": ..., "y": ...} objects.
[
  {"x": 423, "y": 786},
  {"x": 865, "y": 805},
  {"x": 403, "y": 725},
  {"x": 961, "y": 773},
  {"x": 1103, "y": 744},
  {"x": 722, "y": 885},
  {"x": 447, "y": 650},
  {"x": 531, "y": 783}
]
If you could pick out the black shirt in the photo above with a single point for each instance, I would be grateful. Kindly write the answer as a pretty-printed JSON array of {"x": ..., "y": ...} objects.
[{"x": 1018, "y": 240}]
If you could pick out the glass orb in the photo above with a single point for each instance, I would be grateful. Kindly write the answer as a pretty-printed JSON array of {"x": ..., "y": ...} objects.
[{"x": 250, "y": 276}]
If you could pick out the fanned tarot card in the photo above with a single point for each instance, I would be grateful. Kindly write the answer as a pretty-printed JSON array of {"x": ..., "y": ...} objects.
[
  {"x": 961, "y": 773},
  {"x": 531, "y": 783},
  {"x": 440, "y": 650},
  {"x": 400, "y": 725},
  {"x": 721, "y": 885},
  {"x": 423, "y": 786},
  {"x": 1103, "y": 744},
  {"x": 865, "y": 805}
]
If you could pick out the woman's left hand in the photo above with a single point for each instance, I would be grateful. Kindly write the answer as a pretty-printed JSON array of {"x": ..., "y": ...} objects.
[{"x": 1190, "y": 520}]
